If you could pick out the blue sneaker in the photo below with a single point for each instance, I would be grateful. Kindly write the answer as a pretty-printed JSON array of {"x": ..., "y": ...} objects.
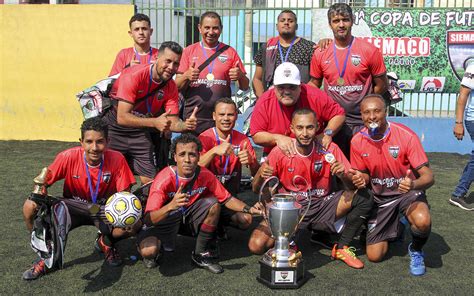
[{"x": 417, "y": 264}]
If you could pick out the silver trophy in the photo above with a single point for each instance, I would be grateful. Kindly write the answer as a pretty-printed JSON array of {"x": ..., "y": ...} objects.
[{"x": 282, "y": 267}]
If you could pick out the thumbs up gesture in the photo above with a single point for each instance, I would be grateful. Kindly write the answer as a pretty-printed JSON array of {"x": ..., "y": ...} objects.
[
  {"x": 406, "y": 184},
  {"x": 225, "y": 148},
  {"x": 357, "y": 178},
  {"x": 180, "y": 199},
  {"x": 192, "y": 73},
  {"x": 244, "y": 155},
  {"x": 266, "y": 170},
  {"x": 191, "y": 122},
  {"x": 235, "y": 73},
  {"x": 163, "y": 123}
]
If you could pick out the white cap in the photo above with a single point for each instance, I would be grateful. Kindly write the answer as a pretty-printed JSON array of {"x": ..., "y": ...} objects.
[{"x": 287, "y": 73}]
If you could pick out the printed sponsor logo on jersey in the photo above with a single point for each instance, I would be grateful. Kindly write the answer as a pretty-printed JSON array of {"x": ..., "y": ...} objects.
[
  {"x": 365, "y": 154},
  {"x": 208, "y": 83},
  {"x": 343, "y": 89},
  {"x": 318, "y": 192},
  {"x": 198, "y": 190},
  {"x": 291, "y": 170},
  {"x": 76, "y": 176},
  {"x": 80, "y": 199},
  {"x": 318, "y": 165},
  {"x": 271, "y": 47},
  {"x": 327, "y": 62},
  {"x": 355, "y": 59},
  {"x": 106, "y": 177},
  {"x": 394, "y": 151},
  {"x": 388, "y": 182},
  {"x": 223, "y": 58},
  {"x": 433, "y": 84}
]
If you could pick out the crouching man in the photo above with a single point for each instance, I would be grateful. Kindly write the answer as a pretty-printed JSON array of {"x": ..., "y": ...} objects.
[
  {"x": 186, "y": 198},
  {"x": 91, "y": 174},
  {"x": 390, "y": 156}
]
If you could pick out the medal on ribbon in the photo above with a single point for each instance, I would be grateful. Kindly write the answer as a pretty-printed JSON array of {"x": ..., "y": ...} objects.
[
  {"x": 210, "y": 67},
  {"x": 94, "y": 207},
  {"x": 340, "y": 80}
]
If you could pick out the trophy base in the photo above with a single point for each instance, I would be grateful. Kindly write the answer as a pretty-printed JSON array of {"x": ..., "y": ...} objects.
[{"x": 282, "y": 277}]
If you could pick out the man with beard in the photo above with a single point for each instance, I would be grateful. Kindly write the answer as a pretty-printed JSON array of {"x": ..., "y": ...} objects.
[
  {"x": 286, "y": 47},
  {"x": 389, "y": 157},
  {"x": 201, "y": 88},
  {"x": 186, "y": 198},
  {"x": 271, "y": 118},
  {"x": 351, "y": 69},
  {"x": 307, "y": 175},
  {"x": 138, "y": 95}
]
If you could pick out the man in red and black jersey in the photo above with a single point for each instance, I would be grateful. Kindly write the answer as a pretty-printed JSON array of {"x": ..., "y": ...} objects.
[
  {"x": 307, "y": 175},
  {"x": 140, "y": 94},
  {"x": 389, "y": 157},
  {"x": 186, "y": 198},
  {"x": 91, "y": 174}
]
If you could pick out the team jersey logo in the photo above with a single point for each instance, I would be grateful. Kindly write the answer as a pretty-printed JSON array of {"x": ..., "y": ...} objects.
[
  {"x": 291, "y": 170},
  {"x": 223, "y": 58},
  {"x": 318, "y": 165},
  {"x": 106, "y": 177},
  {"x": 394, "y": 151},
  {"x": 355, "y": 59},
  {"x": 76, "y": 176}
]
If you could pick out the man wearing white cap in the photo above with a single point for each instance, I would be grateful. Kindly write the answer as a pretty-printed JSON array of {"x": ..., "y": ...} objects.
[{"x": 271, "y": 118}]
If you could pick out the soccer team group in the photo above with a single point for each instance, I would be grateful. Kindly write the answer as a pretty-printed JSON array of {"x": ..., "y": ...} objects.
[{"x": 334, "y": 147}]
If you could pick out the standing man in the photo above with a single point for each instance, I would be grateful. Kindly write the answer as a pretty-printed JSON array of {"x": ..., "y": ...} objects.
[
  {"x": 351, "y": 68},
  {"x": 466, "y": 93},
  {"x": 224, "y": 152},
  {"x": 139, "y": 94},
  {"x": 201, "y": 88},
  {"x": 307, "y": 175},
  {"x": 188, "y": 198},
  {"x": 286, "y": 47},
  {"x": 271, "y": 118},
  {"x": 141, "y": 52},
  {"x": 91, "y": 174},
  {"x": 390, "y": 158}
]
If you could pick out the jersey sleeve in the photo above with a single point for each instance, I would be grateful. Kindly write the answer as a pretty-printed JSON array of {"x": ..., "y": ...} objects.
[
  {"x": 329, "y": 108},
  {"x": 258, "y": 58},
  {"x": 127, "y": 89},
  {"x": 58, "y": 168},
  {"x": 238, "y": 62},
  {"x": 159, "y": 192},
  {"x": 468, "y": 78},
  {"x": 259, "y": 119},
  {"x": 356, "y": 157},
  {"x": 315, "y": 70},
  {"x": 184, "y": 62},
  {"x": 119, "y": 64},
  {"x": 416, "y": 154},
  {"x": 274, "y": 160},
  {"x": 340, "y": 156},
  {"x": 377, "y": 64},
  {"x": 206, "y": 143},
  {"x": 172, "y": 99}
]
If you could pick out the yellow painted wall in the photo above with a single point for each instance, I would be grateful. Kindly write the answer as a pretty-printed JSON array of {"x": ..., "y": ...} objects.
[{"x": 48, "y": 54}]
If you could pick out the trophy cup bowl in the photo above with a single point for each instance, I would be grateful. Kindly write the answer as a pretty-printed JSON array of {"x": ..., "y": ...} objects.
[{"x": 282, "y": 267}]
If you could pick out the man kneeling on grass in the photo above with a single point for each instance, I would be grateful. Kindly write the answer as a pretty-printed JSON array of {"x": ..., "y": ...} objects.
[
  {"x": 91, "y": 174},
  {"x": 187, "y": 198},
  {"x": 390, "y": 156}
]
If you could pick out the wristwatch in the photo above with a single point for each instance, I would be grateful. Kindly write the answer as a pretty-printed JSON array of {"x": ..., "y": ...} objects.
[{"x": 328, "y": 132}]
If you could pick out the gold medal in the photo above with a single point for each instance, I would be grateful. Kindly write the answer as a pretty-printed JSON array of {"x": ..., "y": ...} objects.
[
  {"x": 340, "y": 81},
  {"x": 210, "y": 76},
  {"x": 94, "y": 209}
]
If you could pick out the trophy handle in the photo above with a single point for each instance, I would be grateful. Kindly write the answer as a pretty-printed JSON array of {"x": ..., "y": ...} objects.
[
  {"x": 263, "y": 201},
  {"x": 308, "y": 190}
]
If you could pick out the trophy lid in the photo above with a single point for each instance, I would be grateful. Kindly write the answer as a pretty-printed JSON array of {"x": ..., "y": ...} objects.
[{"x": 285, "y": 201}]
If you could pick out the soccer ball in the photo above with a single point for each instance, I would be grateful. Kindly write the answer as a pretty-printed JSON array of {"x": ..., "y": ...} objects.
[{"x": 123, "y": 209}]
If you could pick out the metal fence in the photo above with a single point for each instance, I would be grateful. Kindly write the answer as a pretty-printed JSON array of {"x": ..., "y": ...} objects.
[{"x": 177, "y": 20}]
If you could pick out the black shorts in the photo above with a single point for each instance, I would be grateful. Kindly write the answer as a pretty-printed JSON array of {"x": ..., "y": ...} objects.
[
  {"x": 137, "y": 147},
  {"x": 81, "y": 215},
  {"x": 383, "y": 223},
  {"x": 322, "y": 213},
  {"x": 188, "y": 223}
]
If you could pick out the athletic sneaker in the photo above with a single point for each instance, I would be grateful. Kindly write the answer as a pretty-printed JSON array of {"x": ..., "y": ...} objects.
[
  {"x": 204, "y": 261},
  {"x": 417, "y": 263},
  {"x": 322, "y": 239},
  {"x": 347, "y": 255},
  {"x": 37, "y": 270},
  {"x": 112, "y": 257},
  {"x": 461, "y": 202}
]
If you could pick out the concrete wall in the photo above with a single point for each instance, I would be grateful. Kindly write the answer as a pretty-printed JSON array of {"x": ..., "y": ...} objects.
[{"x": 48, "y": 53}]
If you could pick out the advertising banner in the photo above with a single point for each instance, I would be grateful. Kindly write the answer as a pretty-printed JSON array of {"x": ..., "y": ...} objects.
[{"x": 428, "y": 49}]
